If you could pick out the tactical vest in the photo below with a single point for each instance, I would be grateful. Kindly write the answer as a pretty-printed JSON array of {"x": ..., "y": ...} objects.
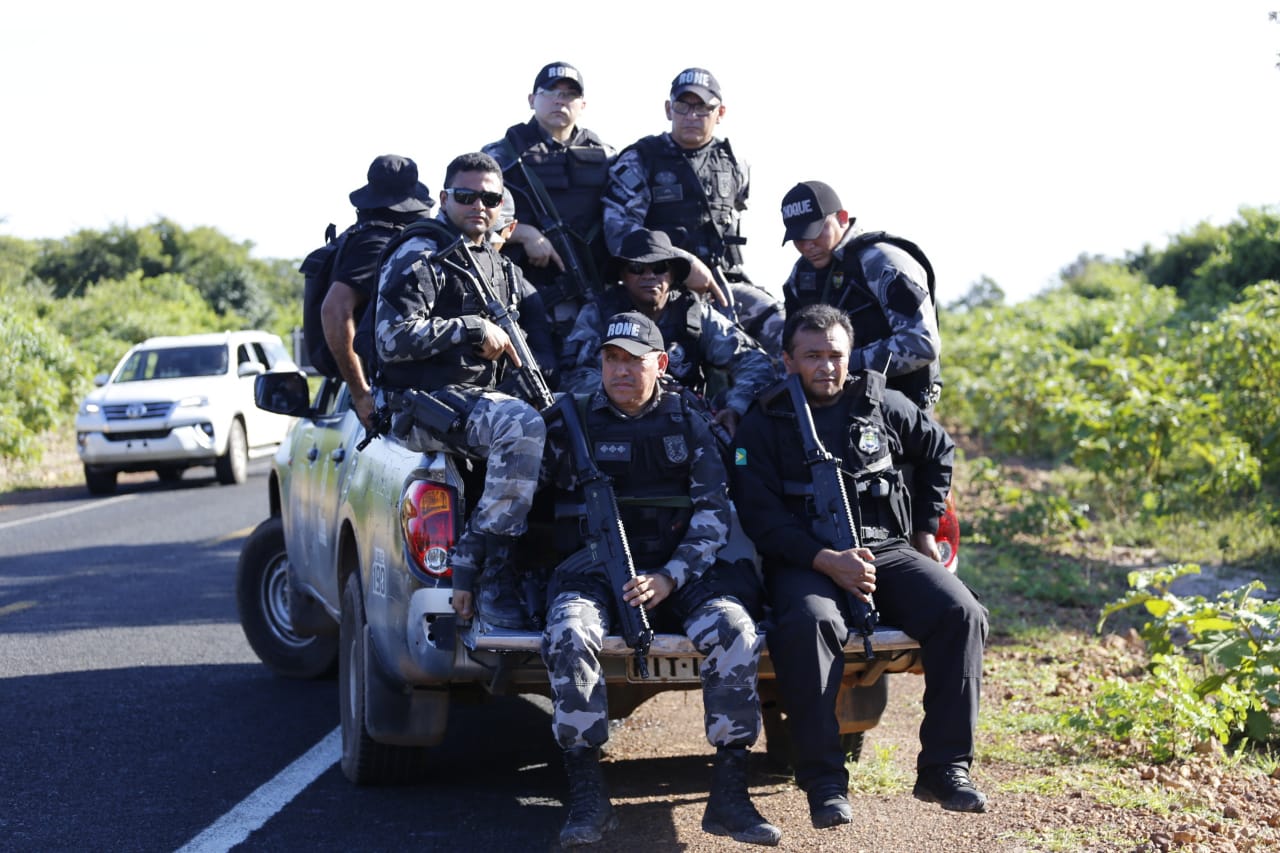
[
  {"x": 681, "y": 328},
  {"x": 844, "y": 285},
  {"x": 461, "y": 364},
  {"x": 697, "y": 211},
  {"x": 648, "y": 461},
  {"x": 574, "y": 175}
]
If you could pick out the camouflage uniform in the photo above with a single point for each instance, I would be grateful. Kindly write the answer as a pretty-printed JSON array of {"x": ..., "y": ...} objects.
[
  {"x": 697, "y": 338},
  {"x": 897, "y": 333},
  {"x": 427, "y": 326},
  {"x": 710, "y": 601}
]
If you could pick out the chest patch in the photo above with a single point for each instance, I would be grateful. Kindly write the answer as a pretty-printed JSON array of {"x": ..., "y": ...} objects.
[
  {"x": 676, "y": 449},
  {"x": 613, "y": 451},
  {"x": 869, "y": 440}
]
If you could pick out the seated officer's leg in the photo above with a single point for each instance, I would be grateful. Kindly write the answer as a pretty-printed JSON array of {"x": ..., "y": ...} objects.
[
  {"x": 571, "y": 645},
  {"x": 722, "y": 631},
  {"x": 510, "y": 434},
  {"x": 806, "y": 643},
  {"x": 922, "y": 598}
]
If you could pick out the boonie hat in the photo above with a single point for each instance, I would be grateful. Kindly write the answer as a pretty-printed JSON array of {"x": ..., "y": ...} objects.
[
  {"x": 554, "y": 73},
  {"x": 646, "y": 247},
  {"x": 700, "y": 81},
  {"x": 633, "y": 332},
  {"x": 393, "y": 185},
  {"x": 805, "y": 207}
]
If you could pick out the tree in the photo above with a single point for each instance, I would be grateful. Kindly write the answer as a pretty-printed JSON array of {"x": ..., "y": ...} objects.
[{"x": 983, "y": 293}]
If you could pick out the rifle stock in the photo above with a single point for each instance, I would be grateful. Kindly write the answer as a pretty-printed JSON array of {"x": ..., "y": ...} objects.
[{"x": 835, "y": 523}]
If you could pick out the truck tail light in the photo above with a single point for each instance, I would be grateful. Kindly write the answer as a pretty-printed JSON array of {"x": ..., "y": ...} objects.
[
  {"x": 948, "y": 535},
  {"x": 426, "y": 519}
]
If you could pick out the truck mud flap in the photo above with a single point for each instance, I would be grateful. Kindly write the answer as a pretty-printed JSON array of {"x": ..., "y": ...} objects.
[{"x": 398, "y": 715}]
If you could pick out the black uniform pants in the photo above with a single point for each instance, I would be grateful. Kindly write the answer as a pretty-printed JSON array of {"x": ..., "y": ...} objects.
[{"x": 806, "y": 637}]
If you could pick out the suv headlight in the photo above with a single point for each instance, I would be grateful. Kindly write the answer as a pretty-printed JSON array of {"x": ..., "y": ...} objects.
[{"x": 88, "y": 408}]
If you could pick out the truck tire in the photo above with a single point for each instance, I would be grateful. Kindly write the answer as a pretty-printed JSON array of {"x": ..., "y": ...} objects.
[
  {"x": 262, "y": 595},
  {"x": 232, "y": 467},
  {"x": 170, "y": 473},
  {"x": 364, "y": 760},
  {"x": 99, "y": 481}
]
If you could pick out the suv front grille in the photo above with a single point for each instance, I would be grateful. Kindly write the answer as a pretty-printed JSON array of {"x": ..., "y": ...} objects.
[{"x": 135, "y": 411}]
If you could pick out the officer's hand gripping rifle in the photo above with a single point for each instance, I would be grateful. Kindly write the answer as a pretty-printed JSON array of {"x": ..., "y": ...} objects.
[
  {"x": 606, "y": 549},
  {"x": 582, "y": 278},
  {"x": 835, "y": 524}
]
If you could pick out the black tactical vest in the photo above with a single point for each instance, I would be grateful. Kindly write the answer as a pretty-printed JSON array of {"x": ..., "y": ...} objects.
[
  {"x": 461, "y": 364},
  {"x": 574, "y": 175},
  {"x": 696, "y": 210},
  {"x": 649, "y": 461}
]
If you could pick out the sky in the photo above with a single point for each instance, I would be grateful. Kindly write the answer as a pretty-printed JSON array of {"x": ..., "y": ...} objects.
[{"x": 1006, "y": 138}]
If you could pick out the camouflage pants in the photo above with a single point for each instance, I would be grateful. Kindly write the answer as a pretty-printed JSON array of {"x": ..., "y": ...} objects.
[
  {"x": 719, "y": 628},
  {"x": 509, "y": 433}
]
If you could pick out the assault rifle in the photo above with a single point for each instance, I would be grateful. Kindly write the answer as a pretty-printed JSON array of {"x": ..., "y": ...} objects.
[
  {"x": 606, "y": 549},
  {"x": 581, "y": 277},
  {"x": 835, "y": 524},
  {"x": 606, "y": 540}
]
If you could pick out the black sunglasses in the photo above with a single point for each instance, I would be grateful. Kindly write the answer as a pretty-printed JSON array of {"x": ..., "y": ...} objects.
[
  {"x": 466, "y": 197},
  {"x": 637, "y": 268}
]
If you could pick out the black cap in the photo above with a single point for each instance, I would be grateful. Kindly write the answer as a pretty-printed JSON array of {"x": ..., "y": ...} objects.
[
  {"x": 555, "y": 72},
  {"x": 393, "y": 185},
  {"x": 700, "y": 81},
  {"x": 645, "y": 247},
  {"x": 805, "y": 207},
  {"x": 633, "y": 332}
]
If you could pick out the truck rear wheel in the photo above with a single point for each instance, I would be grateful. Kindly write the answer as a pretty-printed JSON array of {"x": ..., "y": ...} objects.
[
  {"x": 262, "y": 595},
  {"x": 364, "y": 760},
  {"x": 232, "y": 467}
]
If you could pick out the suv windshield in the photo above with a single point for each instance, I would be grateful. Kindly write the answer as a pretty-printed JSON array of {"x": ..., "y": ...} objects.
[{"x": 174, "y": 363}]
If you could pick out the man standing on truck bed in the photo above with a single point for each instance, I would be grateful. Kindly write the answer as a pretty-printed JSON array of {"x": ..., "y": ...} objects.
[
  {"x": 433, "y": 335},
  {"x": 670, "y": 485},
  {"x": 870, "y": 429}
]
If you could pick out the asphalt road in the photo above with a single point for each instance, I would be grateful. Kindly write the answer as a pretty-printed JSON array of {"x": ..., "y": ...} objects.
[{"x": 135, "y": 717}]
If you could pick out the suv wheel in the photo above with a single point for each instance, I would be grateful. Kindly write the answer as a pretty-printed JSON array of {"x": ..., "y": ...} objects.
[
  {"x": 262, "y": 593},
  {"x": 100, "y": 481},
  {"x": 364, "y": 760},
  {"x": 233, "y": 466}
]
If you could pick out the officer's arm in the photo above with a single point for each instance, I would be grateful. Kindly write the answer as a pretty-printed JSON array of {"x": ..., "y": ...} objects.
[
  {"x": 725, "y": 346},
  {"x": 913, "y": 341},
  {"x": 929, "y": 449},
  {"x": 406, "y": 328},
  {"x": 626, "y": 199}
]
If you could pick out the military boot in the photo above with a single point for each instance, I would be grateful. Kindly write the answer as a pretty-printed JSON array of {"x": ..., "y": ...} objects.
[
  {"x": 590, "y": 812},
  {"x": 729, "y": 809},
  {"x": 499, "y": 601}
]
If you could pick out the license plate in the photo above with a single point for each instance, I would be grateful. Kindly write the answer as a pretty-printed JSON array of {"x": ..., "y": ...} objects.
[{"x": 665, "y": 669}]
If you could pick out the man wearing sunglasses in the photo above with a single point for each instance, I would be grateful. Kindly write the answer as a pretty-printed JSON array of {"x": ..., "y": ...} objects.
[
  {"x": 691, "y": 185},
  {"x": 698, "y": 338},
  {"x": 432, "y": 335},
  {"x": 557, "y": 171}
]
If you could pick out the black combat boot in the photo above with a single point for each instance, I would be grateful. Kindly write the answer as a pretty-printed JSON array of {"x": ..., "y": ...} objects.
[
  {"x": 590, "y": 812},
  {"x": 729, "y": 809},
  {"x": 499, "y": 601}
]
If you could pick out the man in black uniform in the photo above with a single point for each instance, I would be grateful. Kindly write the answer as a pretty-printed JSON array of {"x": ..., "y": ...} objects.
[
  {"x": 557, "y": 172},
  {"x": 882, "y": 288},
  {"x": 870, "y": 429},
  {"x": 433, "y": 335},
  {"x": 391, "y": 199},
  {"x": 698, "y": 338},
  {"x": 690, "y": 184},
  {"x": 670, "y": 485}
]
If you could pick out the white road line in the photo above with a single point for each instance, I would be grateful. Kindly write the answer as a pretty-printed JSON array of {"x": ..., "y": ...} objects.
[
  {"x": 266, "y": 802},
  {"x": 67, "y": 511}
]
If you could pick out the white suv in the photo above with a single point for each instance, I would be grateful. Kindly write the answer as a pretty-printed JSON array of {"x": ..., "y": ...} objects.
[{"x": 177, "y": 402}]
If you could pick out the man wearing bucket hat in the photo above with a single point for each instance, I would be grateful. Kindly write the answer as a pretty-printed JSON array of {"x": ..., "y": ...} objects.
[
  {"x": 670, "y": 483},
  {"x": 698, "y": 338},
  {"x": 392, "y": 198},
  {"x": 690, "y": 184},
  {"x": 556, "y": 170},
  {"x": 874, "y": 280}
]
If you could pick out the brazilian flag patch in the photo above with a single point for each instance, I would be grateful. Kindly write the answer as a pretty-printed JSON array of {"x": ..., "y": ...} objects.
[{"x": 740, "y": 456}]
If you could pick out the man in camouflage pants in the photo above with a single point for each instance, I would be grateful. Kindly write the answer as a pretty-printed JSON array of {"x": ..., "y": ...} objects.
[
  {"x": 433, "y": 334},
  {"x": 670, "y": 484}
]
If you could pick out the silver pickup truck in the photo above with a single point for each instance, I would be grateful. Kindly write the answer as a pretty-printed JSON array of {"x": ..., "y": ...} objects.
[{"x": 351, "y": 568}]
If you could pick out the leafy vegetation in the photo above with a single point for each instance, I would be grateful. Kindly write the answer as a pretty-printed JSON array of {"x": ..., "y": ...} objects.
[{"x": 70, "y": 308}]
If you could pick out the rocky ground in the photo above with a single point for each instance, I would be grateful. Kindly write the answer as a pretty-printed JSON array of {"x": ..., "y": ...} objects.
[{"x": 1219, "y": 808}]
